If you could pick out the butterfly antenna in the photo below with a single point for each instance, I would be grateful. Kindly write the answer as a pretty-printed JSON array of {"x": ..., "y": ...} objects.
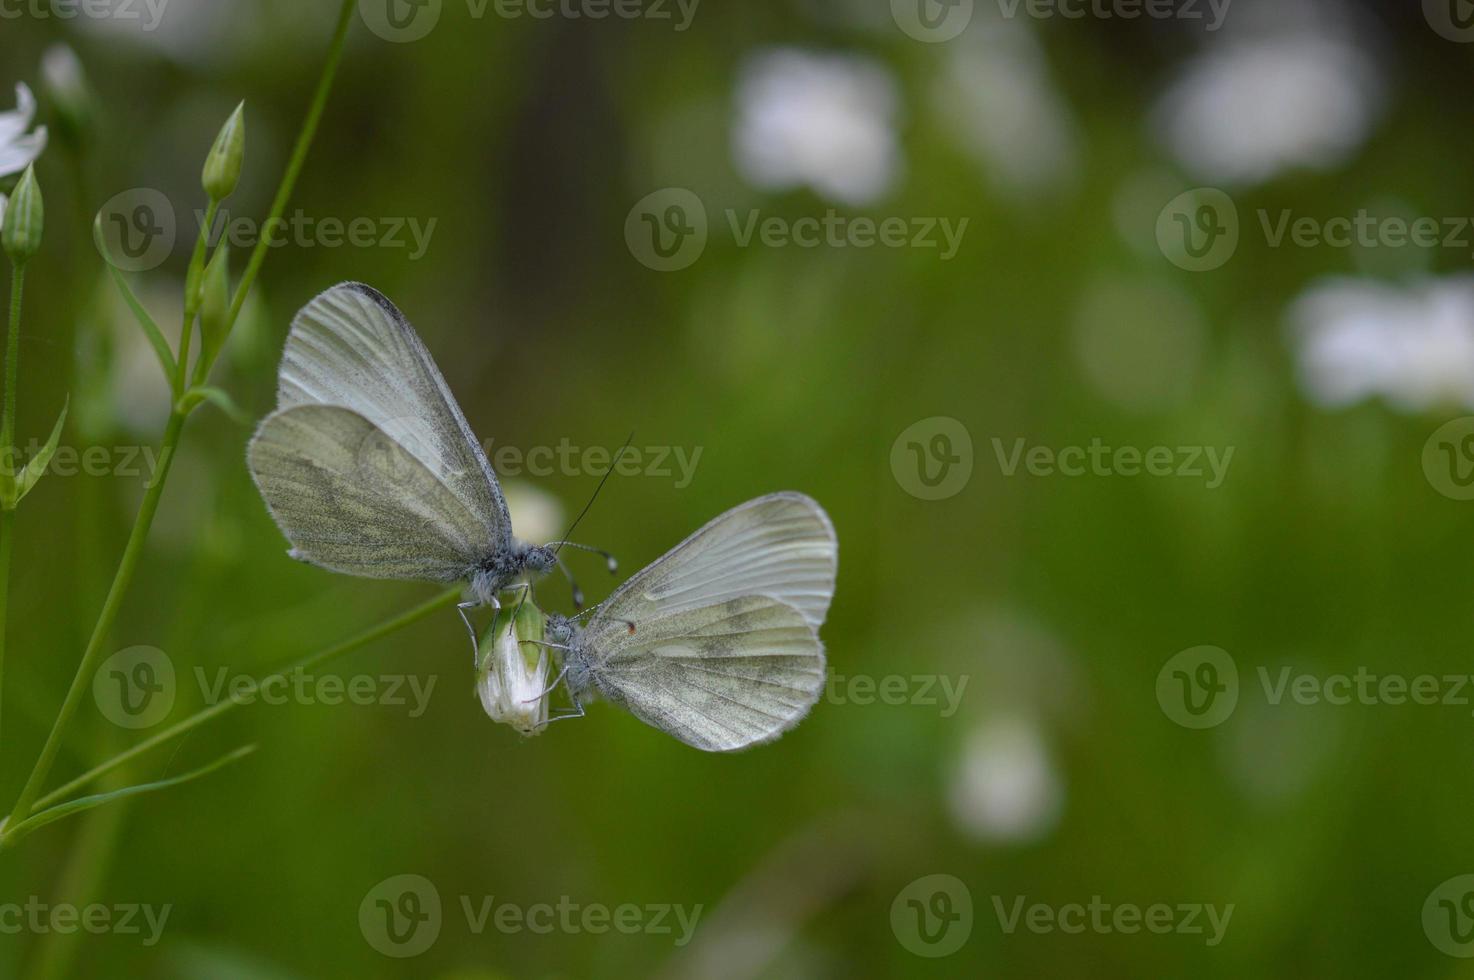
[{"x": 602, "y": 480}]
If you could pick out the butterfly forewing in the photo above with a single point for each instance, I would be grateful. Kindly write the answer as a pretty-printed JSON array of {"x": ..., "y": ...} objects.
[
  {"x": 782, "y": 545},
  {"x": 351, "y": 347},
  {"x": 719, "y": 677},
  {"x": 352, "y": 499}
]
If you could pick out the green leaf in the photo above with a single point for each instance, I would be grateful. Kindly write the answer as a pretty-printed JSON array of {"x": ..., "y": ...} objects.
[
  {"x": 150, "y": 328},
  {"x": 206, "y": 393},
  {"x": 38, "y": 820},
  {"x": 36, "y": 466}
]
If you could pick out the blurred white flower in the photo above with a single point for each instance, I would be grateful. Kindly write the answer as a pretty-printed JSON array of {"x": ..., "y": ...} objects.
[
  {"x": 825, "y": 121},
  {"x": 1006, "y": 787},
  {"x": 1412, "y": 345},
  {"x": 997, "y": 97},
  {"x": 1246, "y": 110},
  {"x": 536, "y": 514},
  {"x": 18, "y": 147}
]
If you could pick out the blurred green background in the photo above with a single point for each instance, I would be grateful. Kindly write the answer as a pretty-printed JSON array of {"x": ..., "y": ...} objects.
[{"x": 1065, "y": 316}]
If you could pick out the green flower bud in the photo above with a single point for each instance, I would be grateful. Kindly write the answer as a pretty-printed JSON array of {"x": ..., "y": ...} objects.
[
  {"x": 215, "y": 305},
  {"x": 25, "y": 216},
  {"x": 223, "y": 165}
]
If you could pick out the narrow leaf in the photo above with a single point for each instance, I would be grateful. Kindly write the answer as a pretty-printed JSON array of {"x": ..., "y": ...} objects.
[
  {"x": 37, "y": 464},
  {"x": 150, "y": 328},
  {"x": 223, "y": 401},
  {"x": 38, "y": 820}
]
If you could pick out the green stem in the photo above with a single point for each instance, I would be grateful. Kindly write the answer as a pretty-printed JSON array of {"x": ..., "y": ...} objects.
[
  {"x": 315, "y": 659},
  {"x": 192, "y": 285},
  {"x": 134, "y": 549},
  {"x": 12, "y": 364},
  {"x": 7, "y": 539},
  {"x": 294, "y": 167},
  {"x": 7, "y": 456},
  {"x": 122, "y": 579}
]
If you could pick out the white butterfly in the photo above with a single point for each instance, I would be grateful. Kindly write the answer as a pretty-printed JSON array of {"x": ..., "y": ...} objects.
[
  {"x": 368, "y": 466},
  {"x": 716, "y": 642}
]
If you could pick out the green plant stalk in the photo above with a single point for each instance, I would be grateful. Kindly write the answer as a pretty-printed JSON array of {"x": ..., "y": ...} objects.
[
  {"x": 191, "y": 298},
  {"x": 12, "y": 361},
  {"x": 123, "y": 578},
  {"x": 315, "y": 659},
  {"x": 7, "y": 453}
]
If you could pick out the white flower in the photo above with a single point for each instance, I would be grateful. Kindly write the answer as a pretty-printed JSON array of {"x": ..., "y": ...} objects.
[
  {"x": 1246, "y": 110},
  {"x": 17, "y": 147},
  {"x": 513, "y": 691},
  {"x": 1006, "y": 787},
  {"x": 825, "y": 121},
  {"x": 1412, "y": 345},
  {"x": 536, "y": 514},
  {"x": 996, "y": 96}
]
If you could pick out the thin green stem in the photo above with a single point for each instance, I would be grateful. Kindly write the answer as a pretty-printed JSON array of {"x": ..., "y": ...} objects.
[
  {"x": 12, "y": 361},
  {"x": 317, "y": 658},
  {"x": 7, "y": 455},
  {"x": 294, "y": 167},
  {"x": 123, "y": 578},
  {"x": 192, "y": 285},
  {"x": 7, "y": 540}
]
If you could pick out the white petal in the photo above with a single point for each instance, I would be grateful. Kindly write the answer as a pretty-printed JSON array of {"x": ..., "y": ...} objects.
[
  {"x": 12, "y": 124},
  {"x": 2, "y": 210},
  {"x": 18, "y": 154}
]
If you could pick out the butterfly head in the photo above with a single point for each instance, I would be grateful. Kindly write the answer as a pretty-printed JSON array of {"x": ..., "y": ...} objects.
[
  {"x": 559, "y": 629},
  {"x": 538, "y": 559}
]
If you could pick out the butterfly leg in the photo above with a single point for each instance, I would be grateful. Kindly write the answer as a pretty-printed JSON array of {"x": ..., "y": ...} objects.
[{"x": 461, "y": 608}]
